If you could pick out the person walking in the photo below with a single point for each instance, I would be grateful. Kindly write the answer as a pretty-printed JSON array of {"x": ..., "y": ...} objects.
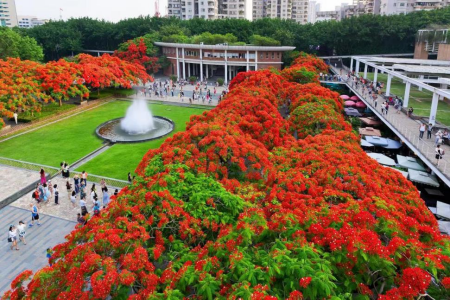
[
  {"x": 438, "y": 139},
  {"x": 73, "y": 198},
  {"x": 55, "y": 190},
  {"x": 76, "y": 183},
  {"x": 429, "y": 130},
  {"x": 83, "y": 206},
  {"x": 21, "y": 230},
  {"x": 34, "y": 215},
  {"x": 105, "y": 197},
  {"x": 12, "y": 237},
  {"x": 15, "y": 117},
  {"x": 422, "y": 129},
  {"x": 43, "y": 179},
  {"x": 439, "y": 153}
]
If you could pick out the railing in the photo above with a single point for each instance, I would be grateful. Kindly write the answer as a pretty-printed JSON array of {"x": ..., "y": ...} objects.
[
  {"x": 28, "y": 166},
  {"x": 52, "y": 171},
  {"x": 112, "y": 182},
  {"x": 426, "y": 148}
]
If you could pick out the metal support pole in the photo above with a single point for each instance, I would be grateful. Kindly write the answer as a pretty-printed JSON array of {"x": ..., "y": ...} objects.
[
  {"x": 365, "y": 71},
  {"x": 375, "y": 77},
  {"x": 351, "y": 64},
  {"x": 184, "y": 65}
]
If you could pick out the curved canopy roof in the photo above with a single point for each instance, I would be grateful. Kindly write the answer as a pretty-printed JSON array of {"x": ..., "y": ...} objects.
[{"x": 226, "y": 47}]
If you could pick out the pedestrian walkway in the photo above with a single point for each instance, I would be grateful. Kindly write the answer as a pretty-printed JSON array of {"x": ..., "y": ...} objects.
[
  {"x": 14, "y": 179},
  {"x": 408, "y": 131},
  {"x": 32, "y": 255}
]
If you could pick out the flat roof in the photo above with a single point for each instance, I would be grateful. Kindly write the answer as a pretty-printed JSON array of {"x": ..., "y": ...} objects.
[
  {"x": 422, "y": 69},
  {"x": 226, "y": 47},
  {"x": 411, "y": 61}
]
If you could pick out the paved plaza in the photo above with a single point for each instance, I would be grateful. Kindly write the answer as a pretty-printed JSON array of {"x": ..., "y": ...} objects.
[
  {"x": 32, "y": 255},
  {"x": 14, "y": 179}
]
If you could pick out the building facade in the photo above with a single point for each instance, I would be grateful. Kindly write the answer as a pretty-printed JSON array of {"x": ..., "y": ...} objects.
[
  {"x": 206, "y": 61},
  {"x": 8, "y": 13},
  {"x": 433, "y": 41},
  {"x": 30, "y": 21},
  {"x": 210, "y": 9},
  {"x": 296, "y": 10}
]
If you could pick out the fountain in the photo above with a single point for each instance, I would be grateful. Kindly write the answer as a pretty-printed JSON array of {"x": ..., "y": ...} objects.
[{"x": 138, "y": 125}]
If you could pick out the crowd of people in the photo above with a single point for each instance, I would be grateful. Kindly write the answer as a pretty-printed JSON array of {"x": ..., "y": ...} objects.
[
  {"x": 86, "y": 199},
  {"x": 202, "y": 91}
]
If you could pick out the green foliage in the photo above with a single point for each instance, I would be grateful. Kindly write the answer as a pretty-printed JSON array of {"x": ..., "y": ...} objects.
[
  {"x": 47, "y": 110},
  {"x": 174, "y": 78},
  {"x": 368, "y": 34},
  {"x": 13, "y": 44},
  {"x": 220, "y": 81},
  {"x": 213, "y": 39},
  {"x": 263, "y": 41},
  {"x": 192, "y": 79}
]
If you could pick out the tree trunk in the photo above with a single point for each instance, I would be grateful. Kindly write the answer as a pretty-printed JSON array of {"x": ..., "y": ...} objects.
[{"x": 60, "y": 101}]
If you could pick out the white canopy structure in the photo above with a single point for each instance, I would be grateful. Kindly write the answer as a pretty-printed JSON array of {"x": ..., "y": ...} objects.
[
  {"x": 408, "y": 162},
  {"x": 423, "y": 178},
  {"x": 382, "y": 159}
]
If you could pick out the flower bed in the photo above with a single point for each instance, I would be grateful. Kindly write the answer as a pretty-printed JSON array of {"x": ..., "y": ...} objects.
[{"x": 235, "y": 207}]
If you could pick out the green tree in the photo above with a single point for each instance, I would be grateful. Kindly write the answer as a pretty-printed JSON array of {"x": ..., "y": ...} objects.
[
  {"x": 13, "y": 44},
  {"x": 259, "y": 40}
]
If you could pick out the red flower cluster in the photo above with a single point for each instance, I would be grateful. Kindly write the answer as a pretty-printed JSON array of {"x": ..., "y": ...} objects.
[
  {"x": 25, "y": 84},
  {"x": 237, "y": 207}
]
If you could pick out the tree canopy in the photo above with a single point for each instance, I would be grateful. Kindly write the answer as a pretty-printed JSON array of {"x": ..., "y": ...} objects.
[
  {"x": 14, "y": 44},
  {"x": 366, "y": 34}
]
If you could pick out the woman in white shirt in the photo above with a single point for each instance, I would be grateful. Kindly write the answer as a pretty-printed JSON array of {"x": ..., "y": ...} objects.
[
  {"x": 12, "y": 237},
  {"x": 21, "y": 230},
  {"x": 83, "y": 206}
]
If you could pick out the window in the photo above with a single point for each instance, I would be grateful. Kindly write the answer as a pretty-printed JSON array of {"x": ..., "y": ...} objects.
[
  {"x": 273, "y": 55},
  {"x": 267, "y": 54},
  {"x": 261, "y": 56}
]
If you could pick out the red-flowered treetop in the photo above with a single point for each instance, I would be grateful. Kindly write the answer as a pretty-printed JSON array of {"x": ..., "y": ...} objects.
[
  {"x": 26, "y": 85},
  {"x": 235, "y": 207}
]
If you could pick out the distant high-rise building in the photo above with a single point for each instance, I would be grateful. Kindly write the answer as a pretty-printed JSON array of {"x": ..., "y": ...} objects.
[
  {"x": 296, "y": 10},
  {"x": 210, "y": 9},
  {"x": 8, "y": 13},
  {"x": 313, "y": 8},
  {"x": 30, "y": 21}
]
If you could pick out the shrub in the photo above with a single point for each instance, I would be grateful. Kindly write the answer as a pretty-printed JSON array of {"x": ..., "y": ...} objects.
[{"x": 220, "y": 81}]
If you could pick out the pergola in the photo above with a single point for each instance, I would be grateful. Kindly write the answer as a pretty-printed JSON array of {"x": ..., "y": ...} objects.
[{"x": 410, "y": 64}]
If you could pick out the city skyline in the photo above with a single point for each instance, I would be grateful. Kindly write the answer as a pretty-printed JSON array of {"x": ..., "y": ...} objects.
[{"x": 103, "y": 9}]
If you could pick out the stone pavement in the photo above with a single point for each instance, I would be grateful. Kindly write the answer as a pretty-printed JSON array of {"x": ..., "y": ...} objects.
[
  {"x": 31, "y": 256},
  {"x": 65, "y": 209},
  {"x": 14, "y": 179}
]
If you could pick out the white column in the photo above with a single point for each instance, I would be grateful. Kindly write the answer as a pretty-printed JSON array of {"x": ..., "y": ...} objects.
[
  {"x": 189, "y": 70},
  {"x": 207, "y": 71},
  {"x": 434, "y": 107},
  {"x": 365, "y": 71},
  {"x": 201, "y": 65},
  {"x": 256, "y": 60},
  {"x": 248, "y": 61},
  {"x": 351, "y": 64},
  {"x": 178, "y": 65},
  {"x": 443, "y": 87},
  {"x": 226, "y": 67},
  {"x": 406, "y": 97},
  {"x": 357, "y": 68},
  {"x": 420, "y": 77},
  {"x": 388, "y": 85},
  {"x": 184, "y": 65},
  {"x": 382, "y": 72},
  {"x": 375, "y": 77}
]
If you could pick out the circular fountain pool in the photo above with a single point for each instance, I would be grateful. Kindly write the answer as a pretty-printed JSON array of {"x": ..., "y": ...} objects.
[{"x": 112, "y": 131}]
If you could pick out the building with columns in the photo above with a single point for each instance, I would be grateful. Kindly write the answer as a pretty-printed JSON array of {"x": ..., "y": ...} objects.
[
  {"x": 430, "y": 41},
  {"x": 206, "y": 61}
]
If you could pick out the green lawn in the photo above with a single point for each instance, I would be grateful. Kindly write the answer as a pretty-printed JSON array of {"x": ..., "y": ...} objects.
[
  {"x": 75, "y": 137},
  {"x": 120, "y": 159},
  {"x": 419, "y": 100}
]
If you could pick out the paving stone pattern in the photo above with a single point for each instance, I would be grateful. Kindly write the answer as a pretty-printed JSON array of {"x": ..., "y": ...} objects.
[
  {"x": 65, "y": 209},
  {"x": 14, "y": 179},
  {"x": 31, "y": 256}
]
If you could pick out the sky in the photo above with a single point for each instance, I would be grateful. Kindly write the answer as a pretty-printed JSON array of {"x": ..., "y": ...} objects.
[{"x": 110, "y": 10}]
